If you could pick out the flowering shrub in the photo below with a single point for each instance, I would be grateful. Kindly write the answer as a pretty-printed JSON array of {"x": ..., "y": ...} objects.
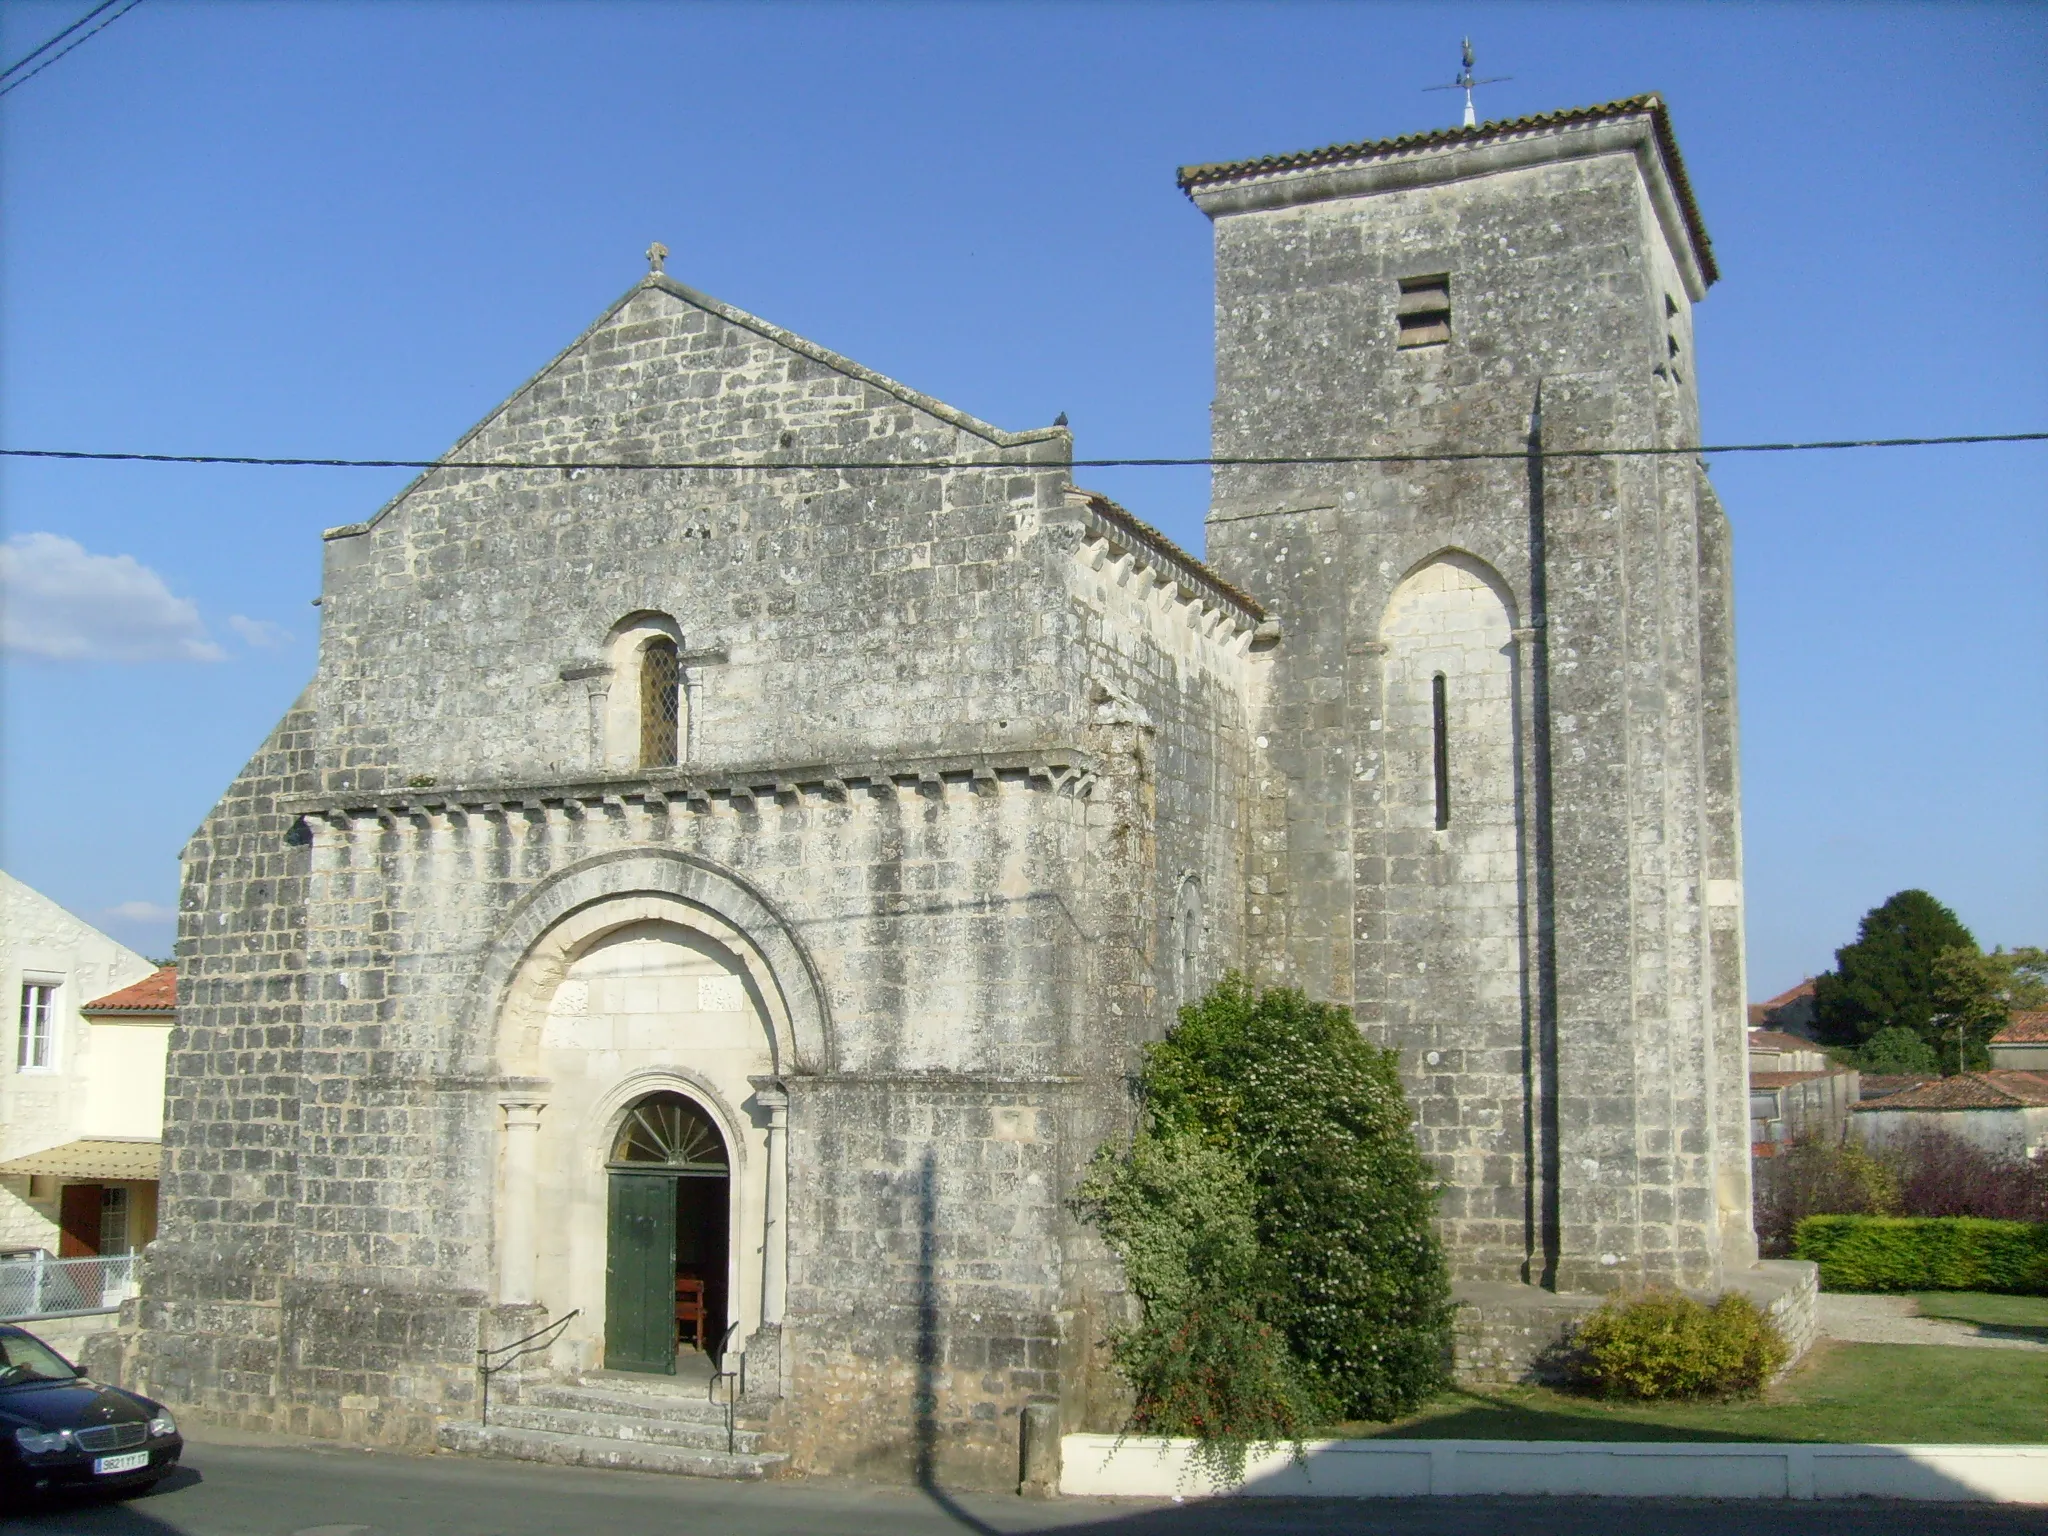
[
  {"x": 1813, "y": 1177},
  {"x": 1273, "y": 1216},
  {"x": 1663, "y": 1344}
]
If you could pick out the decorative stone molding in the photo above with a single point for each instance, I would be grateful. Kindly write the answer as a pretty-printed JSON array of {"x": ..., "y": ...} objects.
[{"x": 1062, "y": 769}]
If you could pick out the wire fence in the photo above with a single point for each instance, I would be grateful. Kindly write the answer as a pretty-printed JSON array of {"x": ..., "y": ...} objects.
[{"x": 36, "y": 1285}]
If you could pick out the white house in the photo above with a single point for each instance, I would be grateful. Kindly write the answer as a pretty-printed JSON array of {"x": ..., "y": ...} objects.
[{"x": 81, "y": 1085}]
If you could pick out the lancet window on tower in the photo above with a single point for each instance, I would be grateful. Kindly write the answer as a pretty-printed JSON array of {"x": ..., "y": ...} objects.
[{"x": 1440, "y": 720}]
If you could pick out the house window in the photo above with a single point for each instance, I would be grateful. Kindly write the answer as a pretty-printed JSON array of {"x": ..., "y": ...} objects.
[
  {"x": 1440, "y": 713},
  {"x": 659, "y": 711},
  {"x": 113, "y": 1219},
  {"x": 38, "y": 1011},
  {"x": 1424, "y": 311}
]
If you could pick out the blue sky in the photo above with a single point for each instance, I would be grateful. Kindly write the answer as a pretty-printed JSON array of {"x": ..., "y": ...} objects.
[{"x": 349, "y": 230}]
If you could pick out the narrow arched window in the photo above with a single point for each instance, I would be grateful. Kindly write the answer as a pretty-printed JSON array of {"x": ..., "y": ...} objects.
[
  {"x": 1441, "y": 720},
  {"x": 659, "y": 710}
]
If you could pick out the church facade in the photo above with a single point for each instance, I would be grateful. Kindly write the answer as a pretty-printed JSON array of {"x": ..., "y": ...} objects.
[{"x": 730, "y": 903}]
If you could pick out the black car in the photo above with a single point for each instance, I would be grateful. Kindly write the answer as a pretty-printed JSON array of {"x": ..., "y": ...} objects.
[{"x": 58, "y": 1430}]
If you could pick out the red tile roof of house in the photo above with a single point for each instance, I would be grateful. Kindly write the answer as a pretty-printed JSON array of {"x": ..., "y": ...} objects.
[
  {"x": 155, "y": 993},
  {"x": 1971, "y": 1090},
  {"x": 1882, "y": 1085},
  {"x": 1790, "y": 995},
  {"x": 1760, "y": 1013},
  {"x": 2029, "y": 1026}
]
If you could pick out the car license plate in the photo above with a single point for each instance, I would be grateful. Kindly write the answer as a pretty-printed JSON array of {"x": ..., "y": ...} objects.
[{"x": 131, "y": 1462}]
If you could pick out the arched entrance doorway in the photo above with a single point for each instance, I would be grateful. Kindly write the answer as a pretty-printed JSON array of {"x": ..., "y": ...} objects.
[{"x": 666, "y": 1236}]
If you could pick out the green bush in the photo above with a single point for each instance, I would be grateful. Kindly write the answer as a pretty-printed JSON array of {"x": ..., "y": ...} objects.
[
  {"x": 1315, "y": 1115},
  {"x": 1926, "y": 1253},
  {"x": 1202, "y": 1362},
  {"x": 1273, "y": 1218},
  {"x": 1662, "y": 1344}
]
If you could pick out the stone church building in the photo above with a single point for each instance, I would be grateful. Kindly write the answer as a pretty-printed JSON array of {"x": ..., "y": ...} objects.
[{"x": 729, "y": 903}]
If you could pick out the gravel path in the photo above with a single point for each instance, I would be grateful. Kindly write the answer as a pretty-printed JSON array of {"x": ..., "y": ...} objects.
[{"x": 1897, "y": 1320}]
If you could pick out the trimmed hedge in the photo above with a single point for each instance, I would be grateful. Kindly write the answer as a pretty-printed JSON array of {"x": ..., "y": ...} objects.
[{"x": 1926, "y": 1253}]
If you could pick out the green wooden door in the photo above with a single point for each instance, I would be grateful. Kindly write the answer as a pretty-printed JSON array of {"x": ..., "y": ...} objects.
[{"x": 640, "y": 1274}]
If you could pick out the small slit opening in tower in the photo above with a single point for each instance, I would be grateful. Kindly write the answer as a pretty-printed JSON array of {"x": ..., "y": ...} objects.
[{"x": 1440, "y": 719}]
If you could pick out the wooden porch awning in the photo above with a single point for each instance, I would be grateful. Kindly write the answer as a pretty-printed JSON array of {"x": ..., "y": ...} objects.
[{"x": 111, "y": 1157}]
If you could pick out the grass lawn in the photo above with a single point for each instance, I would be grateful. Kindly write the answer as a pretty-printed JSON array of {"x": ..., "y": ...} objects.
[
  {"x": 1882, "y": 1393},
  {"x": 2023, "y": 1317}
]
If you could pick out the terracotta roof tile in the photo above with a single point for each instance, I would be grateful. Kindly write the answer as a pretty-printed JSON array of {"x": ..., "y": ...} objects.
[
  {"x": 1145, "y": 533},
  {"x": 1971, "y": 1090},
  {"x": 2028, "y": 1026},
  {"x": 1193, "y": 176},
  {"x": 1796, "y": 994},
  {"x": 155, "y": 993},
  {"x": 1882, "y": 1085}
]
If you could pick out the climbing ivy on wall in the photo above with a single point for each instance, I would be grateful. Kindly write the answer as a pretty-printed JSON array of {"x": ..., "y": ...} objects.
[{"x": 1273, "y": 1217}]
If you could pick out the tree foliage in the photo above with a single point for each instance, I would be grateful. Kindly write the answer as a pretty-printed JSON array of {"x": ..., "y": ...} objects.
[
  {"x": 1974, "y": 995},
  {"x": 1203, "y": 1362},
  {"x": 1273, "y": 1202},
  {"x": 1887, "y": 978},
  {"x": 1898, "y": 1050}
]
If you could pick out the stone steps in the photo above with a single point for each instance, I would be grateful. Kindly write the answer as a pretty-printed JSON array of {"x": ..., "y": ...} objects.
[
  {"x": 645, "y": 1424},
  {"x": 599, "y": 1423},
  {"x": 580, "y": 1450},
  {"x": 608, "y": 1398}
]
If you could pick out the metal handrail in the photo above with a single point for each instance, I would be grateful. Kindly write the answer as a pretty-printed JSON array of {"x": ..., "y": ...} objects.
[
  {"x": 485, "y": 1370},
  {"x": 731, "y": 1402}
]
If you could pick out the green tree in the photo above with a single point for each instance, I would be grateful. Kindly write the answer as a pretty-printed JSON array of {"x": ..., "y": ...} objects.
[
  {"x": 1887, "y": 977},
  {"x": 1974, "y": 995},
  {"x": 1202, "y": 1362},
  {"x": 1896, "y": 1049},
  {"x": 1316, "y": 1117}
]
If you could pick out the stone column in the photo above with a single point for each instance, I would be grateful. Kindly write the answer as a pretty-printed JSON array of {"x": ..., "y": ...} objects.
[
  {"x": 516, "y": 1246},
  {"x": 775, "y": 1241}
]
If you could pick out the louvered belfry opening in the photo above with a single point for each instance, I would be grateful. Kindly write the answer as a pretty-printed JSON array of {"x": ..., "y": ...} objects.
[
  {"x": 660, "y": 712},
  {"x": 1424, "y": 311}
]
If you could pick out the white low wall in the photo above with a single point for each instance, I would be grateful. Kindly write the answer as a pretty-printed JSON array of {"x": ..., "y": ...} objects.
[{"x": 1398, "y": 1469}]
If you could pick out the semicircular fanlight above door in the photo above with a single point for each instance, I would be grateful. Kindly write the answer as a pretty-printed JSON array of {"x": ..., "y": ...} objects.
[{"x": 666, "y": 1130}]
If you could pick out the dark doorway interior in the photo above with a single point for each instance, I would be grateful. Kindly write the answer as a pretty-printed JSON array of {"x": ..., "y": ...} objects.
[{"x": 701, "y": 1244}]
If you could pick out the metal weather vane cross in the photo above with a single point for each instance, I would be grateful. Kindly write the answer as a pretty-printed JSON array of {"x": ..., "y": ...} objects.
[{"x": 1465, "y": 82}]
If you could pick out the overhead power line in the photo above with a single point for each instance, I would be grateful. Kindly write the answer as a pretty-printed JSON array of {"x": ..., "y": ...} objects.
[
  {"x": 1220, "y": 461},
  {"x": 12, "y": 73}
]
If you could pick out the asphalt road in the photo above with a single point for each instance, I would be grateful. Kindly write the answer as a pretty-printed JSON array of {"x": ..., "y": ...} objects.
[{"x": 303, "y": 1489}]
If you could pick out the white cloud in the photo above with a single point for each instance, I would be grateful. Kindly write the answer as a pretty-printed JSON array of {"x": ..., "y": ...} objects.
[
  {"x": 65, "y": 604},
  {"x": 141, "y": 912},
  {"x": 259, "y": 632}
]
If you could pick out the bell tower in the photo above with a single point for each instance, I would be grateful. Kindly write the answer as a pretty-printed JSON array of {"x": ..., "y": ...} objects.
[{"x": 1497, "y": 805}]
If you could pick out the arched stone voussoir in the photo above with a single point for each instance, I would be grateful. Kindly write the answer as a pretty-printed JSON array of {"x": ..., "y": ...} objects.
[{"x": 643, "y": 883}]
